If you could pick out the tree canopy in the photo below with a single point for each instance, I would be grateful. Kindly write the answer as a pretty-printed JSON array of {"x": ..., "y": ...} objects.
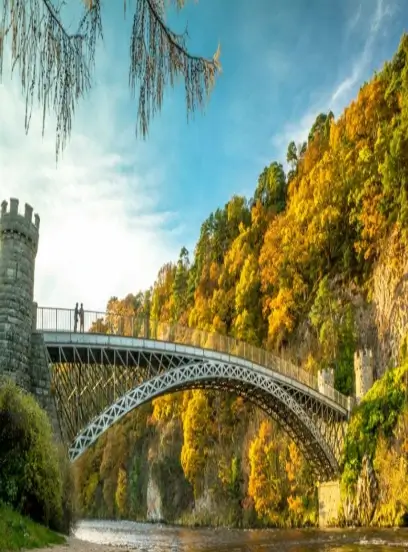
[
  {"x": 313, "y": 267},
  {"x": 55, "y": 66}
]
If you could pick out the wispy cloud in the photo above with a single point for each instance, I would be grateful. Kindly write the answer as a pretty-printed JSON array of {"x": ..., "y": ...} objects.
[
  {"x": 382, "y": 11},
  {"x": 354, "y": 20},
  {"x": 336, "y": 99},
  {"x": 296, "y": 131},
  {"x": 102, "y": 230}
]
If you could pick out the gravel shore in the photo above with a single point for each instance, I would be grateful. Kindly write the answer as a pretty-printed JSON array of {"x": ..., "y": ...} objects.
[{"x": 77, "y": 545}]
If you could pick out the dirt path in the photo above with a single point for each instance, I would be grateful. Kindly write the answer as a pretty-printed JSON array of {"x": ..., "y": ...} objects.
[{"x": 76, "y": 545}]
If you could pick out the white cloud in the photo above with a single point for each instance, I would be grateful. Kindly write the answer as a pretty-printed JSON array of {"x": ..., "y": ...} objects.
[
  {"x": 382, "y": 11},
  {"x": 102, "y": 232},
  {"x": 339, "y": 97},
  {"x": 354, "y": 20}
]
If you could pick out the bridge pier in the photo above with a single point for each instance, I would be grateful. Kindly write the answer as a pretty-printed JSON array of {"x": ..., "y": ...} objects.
[
  {"x": 41, "y": 382},
  {"x": 329, "y": 503},
  {"x": 22, "y": 350}
]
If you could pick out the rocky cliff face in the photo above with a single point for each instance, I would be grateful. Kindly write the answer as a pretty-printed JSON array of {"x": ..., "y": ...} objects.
[
  {"x": 359, "y": 507},
  {"x": 154, "y": 511},
  {"x": 204, "y": 505},
  {"x": 367, "y": 494},
  {"x": 390, "y": 302}
]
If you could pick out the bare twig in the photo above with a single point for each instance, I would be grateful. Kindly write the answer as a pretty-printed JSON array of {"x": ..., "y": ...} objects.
[{"x": 54, "y": 66}]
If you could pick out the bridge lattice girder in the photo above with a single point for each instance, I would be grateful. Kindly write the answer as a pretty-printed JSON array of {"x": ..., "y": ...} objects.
[{"x": 99, "y": 379}]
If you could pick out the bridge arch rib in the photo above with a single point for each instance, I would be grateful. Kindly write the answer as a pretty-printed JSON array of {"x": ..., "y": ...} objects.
[
  {"x": 97, "y": 386},
  {"x": 257, "y": 388}
]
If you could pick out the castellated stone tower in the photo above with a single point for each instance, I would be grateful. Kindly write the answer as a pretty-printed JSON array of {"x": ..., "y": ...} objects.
[
  {"x": 325, "y": 378},
  {"x": 19, "y": 235},
  {"x": 364, "y": 372}
]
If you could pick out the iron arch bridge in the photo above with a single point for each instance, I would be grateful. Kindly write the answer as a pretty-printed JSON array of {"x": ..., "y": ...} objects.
[{"x": 98, "y": 378}]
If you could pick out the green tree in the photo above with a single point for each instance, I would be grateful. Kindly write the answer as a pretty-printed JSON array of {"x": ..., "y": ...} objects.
[
  {"x": 237, "y": 213},
  {"x": 321, "y": 126},
  {"x": 271, "y": 189},
  {"x": 31, "y": 472},
  {"x": 291, "y": 156},
  {"x": 294, "y": 156},
  {"x": 180, "y": 285},
  {"x": 334, "y": 321}
]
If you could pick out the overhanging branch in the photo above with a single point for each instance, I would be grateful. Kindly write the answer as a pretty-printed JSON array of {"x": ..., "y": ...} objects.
[{"x": 55, "y": 66}]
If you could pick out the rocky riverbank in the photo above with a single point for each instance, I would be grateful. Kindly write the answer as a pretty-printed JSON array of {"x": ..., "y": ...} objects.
[{"x": 76, "y": 545}]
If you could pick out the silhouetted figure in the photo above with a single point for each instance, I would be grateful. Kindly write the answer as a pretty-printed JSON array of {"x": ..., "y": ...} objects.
[
  {"x": 81, "y": 318},
  {"x": 76, "y": 316}
]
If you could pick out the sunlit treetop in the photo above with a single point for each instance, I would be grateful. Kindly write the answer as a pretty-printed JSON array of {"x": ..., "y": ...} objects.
[{"x": 55, "y": 66}]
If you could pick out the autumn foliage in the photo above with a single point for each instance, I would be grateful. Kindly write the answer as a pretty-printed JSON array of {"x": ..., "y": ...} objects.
[{"x": 291, "y": 270}]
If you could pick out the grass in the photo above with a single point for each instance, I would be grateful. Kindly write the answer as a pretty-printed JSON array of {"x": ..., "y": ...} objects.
[{"x": 17, "y": 532}]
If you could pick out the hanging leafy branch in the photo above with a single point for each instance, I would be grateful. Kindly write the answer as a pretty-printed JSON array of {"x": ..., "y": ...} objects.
[{"x": 56, "y": 66}]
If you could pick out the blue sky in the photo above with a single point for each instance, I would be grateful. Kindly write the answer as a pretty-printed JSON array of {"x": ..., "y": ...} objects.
[
  {"x": 116, "y": 208},
  {"x": 282, "y": 61}
]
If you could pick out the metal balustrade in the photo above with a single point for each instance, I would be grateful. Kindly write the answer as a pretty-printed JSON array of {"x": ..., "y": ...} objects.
[{"x": 62, "y": 320}]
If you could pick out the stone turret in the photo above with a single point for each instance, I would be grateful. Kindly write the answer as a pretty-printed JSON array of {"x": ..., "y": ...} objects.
[
  {"x": 364, "y": 372},
  {"x": 19, "y": 235},
  {"x": 325, "y": 378}
]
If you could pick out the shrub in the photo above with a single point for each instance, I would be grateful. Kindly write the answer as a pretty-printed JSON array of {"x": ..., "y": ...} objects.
[
  {"x": 377, "y": 415},
  {"x": 31, "y": 479},
  {"x": 69, "y": 511},
  {"x": 18, "y": 532}
]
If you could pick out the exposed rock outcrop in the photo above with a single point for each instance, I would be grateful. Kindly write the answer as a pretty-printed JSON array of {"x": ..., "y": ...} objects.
[{"x": 154, "y": 510}]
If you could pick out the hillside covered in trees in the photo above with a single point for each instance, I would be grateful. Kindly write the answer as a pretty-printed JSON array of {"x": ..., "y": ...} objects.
[{"x": 312, "y": 267}]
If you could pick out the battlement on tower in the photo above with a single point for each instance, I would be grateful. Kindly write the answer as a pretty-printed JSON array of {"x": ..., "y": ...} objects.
[
  {"x": 325, "y": 378},
  {"x": 12, "y": 222},
  {"x": 364, "y": 372}
]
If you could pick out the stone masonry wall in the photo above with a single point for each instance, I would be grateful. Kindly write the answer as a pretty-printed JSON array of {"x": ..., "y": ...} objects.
[
  {"x": 41, "y": 382},
  {"x": 23, "y": 356},
  {"x": 329, "y": 502},
  {"x": 18, "y": 249},
  {"x": 325, "y": 378},
  {"x": 364, "y": 372}
]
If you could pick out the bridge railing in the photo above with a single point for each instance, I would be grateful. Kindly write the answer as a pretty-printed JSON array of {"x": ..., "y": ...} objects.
[{"x": 63, "y": 320}]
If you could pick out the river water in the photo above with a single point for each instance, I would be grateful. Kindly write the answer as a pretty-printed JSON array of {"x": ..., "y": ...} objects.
[{"x": 163, "y": 538}]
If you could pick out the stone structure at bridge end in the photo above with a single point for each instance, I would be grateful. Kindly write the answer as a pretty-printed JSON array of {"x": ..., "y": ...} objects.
[
  {"x": 22, "y": 349},
  {"x": 330, "y": 503},
  {"x": 325, "y": 378},
  {"x": 364, "y": 372}
]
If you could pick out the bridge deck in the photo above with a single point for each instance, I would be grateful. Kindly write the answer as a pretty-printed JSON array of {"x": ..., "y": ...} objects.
[
  {"x": 100, "y": 375},
  {"x": 112, "y": 350},
  {"x": 118, "y": 327}
]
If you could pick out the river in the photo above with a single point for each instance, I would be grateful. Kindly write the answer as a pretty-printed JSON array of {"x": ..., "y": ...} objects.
[{"x": 145, "y": 537}]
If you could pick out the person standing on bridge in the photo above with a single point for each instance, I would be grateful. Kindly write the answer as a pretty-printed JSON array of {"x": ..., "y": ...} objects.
[
  {"x": 81, "y": 318},
  {"x": 76, "y": 316}
]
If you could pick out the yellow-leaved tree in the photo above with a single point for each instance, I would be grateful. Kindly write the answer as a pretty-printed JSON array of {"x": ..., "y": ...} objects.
[
  {"x": 267, "y": 481},
  {"x": 198, "y": 438},
  {"x": 121, "y": 492}
]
